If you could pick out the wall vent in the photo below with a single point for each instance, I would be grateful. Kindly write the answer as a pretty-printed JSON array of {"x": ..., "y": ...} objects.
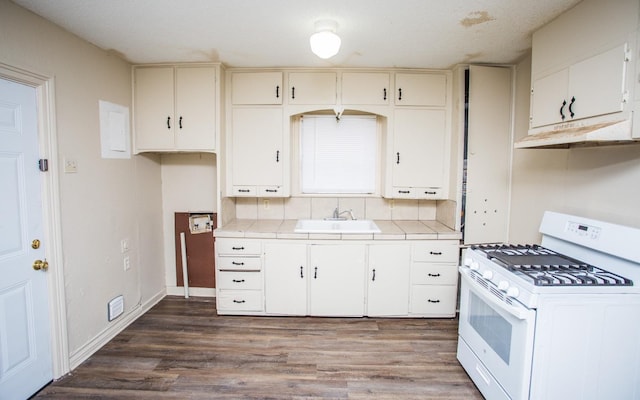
[{"x": 115, "y": 308}]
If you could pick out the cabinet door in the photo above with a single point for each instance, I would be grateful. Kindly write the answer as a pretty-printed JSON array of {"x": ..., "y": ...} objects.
[
  {"x": 421, "y": 90},
  {"x": 337, "y": 279},
  {"x": 547, "y": 99},
  {"x": 388, "y": 280},
  {"x": 312, "y": 88},
  {"x": 365, "y": 88},
  {"x": 285, "y": 272},
  {"x": 419, "y": 148},
  {"x": 257, "y": 147},
  {"x": 195, "y": 108},
  {"x": 154, "y": 101},
  {"x": 256, "y": 88}
]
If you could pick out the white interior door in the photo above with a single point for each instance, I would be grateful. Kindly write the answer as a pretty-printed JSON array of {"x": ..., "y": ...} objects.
[{"x": 25, "y": 348}]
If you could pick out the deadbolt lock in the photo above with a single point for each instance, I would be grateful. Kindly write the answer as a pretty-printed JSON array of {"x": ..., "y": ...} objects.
[
  {"x": 40, "y": 265},
  {"x": 35, "y": 244}
]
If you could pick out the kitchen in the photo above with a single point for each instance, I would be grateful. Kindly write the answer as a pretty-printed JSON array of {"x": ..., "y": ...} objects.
[{"x": 125, "y": 198}]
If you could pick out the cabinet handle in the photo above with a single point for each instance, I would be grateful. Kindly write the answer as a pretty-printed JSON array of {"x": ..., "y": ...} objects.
[
  {"x": 277, "y": 155},
  {"x": 180, "y": 122},
  {"x": 293, "y": 92},
  {"x": 435, "y": 253},
  {"x": 398, "y": 158},
  {"x": 277, "y": 92},
  {"x": 433, "y": 275},
  {"x": 404, "y": 191},
  {"x": 399, "y": 94},
  {"x": 238, "y": 280},
  {"x": 244, "y": 190},
  {"x": 237, "y": 263},
  {"x": 571, "y": 113},
  {"x": 301, "y": 274},
  {"x": 384, "y": 94},
  {"x": 433, "y": 301},
  {"x": 271, "y": 190},
  {"x": 373, "y": 278},
  {"x": 239, "y": 301},
  {"x": 564, "y": 103},
  {"x": 315, "y": 273},
  {"x": 429, "y": 192},
  {"x": 237, "y": 248},
  {"x": 168, "y": 122}
]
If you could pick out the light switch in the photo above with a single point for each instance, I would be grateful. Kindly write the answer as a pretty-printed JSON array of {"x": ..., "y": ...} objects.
[{"x": 70, "y": 166}]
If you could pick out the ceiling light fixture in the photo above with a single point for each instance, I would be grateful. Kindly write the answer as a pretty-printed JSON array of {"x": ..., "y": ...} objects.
[{"x": 325, "y": 43}]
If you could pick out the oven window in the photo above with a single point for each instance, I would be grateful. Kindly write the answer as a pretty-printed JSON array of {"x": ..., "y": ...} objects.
[{"x": 491, "y": 326}]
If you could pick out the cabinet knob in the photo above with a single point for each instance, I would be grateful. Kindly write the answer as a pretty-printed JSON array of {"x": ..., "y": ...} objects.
[
  {"x": 168, "y": 122},
  {"x": 564, "y": 103},
  {"x": 277, "y": 92},
  {"x": 433, "y": 301},
  {"x": 180, "y": 122},
  {"x": 571, "y": 113},
  {"x": 399, "y": 94}
]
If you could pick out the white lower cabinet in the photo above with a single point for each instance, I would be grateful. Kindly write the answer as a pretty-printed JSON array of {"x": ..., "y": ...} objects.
[
  {"x": 336, "y": 276},
  {"x": 337, "y": 279},
  {"x": 434, "y": 278},
  {"x": 388, "y": 280},
  {"x": 285, "y": 278}
]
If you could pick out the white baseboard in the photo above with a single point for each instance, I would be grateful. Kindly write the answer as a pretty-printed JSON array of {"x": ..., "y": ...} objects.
[
  {"x": 80, "y": 355},
  {"x": 193, "y": 291}
]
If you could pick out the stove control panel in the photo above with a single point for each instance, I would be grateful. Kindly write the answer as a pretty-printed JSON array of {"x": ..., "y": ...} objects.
[{"x": 582, "y": 230}]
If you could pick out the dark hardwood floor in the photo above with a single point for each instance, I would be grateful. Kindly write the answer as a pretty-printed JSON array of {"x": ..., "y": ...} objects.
[{"x": 181, "y": 349}]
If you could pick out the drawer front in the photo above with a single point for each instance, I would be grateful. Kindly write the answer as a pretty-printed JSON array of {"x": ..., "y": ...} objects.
[
  {"x": 239, "y": 263},
  {"x": 429, "y": 193},
  {"x": 240, "y": 191},
  {"x": 440, "y": 251},
  {"x": 433, "y": 300},
  {"x": 239, "y": 300},
  {"x": 239, "y": 280},
  {"x": 270, "y": 191},
  {"x": 403, "y": 193},
  {"x": 434, "y": 274},
  {"x": 238, "y": 247}
]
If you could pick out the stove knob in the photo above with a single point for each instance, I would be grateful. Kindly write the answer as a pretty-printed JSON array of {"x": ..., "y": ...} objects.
[
  {"x": 513, "y": 292},
  {"x": 468, "y": 261},
  {"x": 474, "y": 266},
  {"x": 487, "y": 275},
  {"x": 503, "y": 285}
]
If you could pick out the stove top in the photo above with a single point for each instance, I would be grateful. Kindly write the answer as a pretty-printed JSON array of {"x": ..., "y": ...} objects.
[{"x": 544, "y": 267}]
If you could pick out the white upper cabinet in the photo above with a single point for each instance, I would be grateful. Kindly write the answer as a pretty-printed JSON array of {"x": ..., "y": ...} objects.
[
  {"x": 257, "y": 156},
  {"x": 367, "y": 88},
  {"x": 175, "y": 108},
  {"x": 421, "y": 89},
  {"x": 592, "y": 87},
  {"x": 256, "y": 88},
  {"x": 581, "y": 66},
  {"x": 312, "y": 88}
]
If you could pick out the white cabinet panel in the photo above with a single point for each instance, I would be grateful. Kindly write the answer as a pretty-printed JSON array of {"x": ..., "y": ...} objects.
[
  {"x": 413, "y": 89},
  {"x": 367, "y": 88},
  {"x": 388, "y": 280},
  {"x": 312, "y": 88},
  {"x": 256, "y": 88},
  {"x": 286, "y": 278}
]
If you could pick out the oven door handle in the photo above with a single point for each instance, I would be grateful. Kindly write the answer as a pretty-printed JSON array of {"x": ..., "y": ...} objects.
[{"x": 520, "y": 313}]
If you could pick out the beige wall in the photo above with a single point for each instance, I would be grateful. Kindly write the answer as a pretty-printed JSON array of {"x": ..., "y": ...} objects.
[
  {"x": 107, "y": 199},
  {"x": 601, "y": 183}
]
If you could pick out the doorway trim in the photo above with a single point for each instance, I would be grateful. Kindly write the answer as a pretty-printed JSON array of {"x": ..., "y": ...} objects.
[{"x": 48, "y": 149}]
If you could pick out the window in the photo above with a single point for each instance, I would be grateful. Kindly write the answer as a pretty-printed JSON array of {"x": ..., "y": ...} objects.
[{"x": 338, "y": 156}]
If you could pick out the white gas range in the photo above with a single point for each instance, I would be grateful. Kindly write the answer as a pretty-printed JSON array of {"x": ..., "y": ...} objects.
[{"x": 555, "y": 321}]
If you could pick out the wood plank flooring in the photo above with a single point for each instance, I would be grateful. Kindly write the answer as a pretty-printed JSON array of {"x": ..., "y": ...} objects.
[{"x": 181, "y": 349}]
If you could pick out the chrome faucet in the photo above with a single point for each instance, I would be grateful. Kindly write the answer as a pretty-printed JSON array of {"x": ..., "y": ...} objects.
[{"x": 337, "y": 214}]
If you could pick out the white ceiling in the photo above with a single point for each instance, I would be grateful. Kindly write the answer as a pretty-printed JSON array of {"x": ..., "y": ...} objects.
[{"x": 275, "y": 33}]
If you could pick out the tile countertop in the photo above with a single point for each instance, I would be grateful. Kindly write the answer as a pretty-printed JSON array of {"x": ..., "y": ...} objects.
[{"x": 285, "y": 229}]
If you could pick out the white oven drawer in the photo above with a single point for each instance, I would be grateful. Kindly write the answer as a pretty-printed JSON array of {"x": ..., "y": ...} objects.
[
  {"x": 239, "y": 280},
  {"x": 483, "y": 379},
  {"x": 239, "y": 300}
]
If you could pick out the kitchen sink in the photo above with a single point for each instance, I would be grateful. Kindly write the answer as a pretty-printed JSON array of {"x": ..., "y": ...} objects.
[{"x": 336, "y": 226}]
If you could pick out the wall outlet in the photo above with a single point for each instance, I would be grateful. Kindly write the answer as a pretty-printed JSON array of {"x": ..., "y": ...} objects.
[
  {"x": 127, "y": 263},
  {"x": 265, "y": 204},
  {"x": 70, "y": 166},
  {"x": 392, "y": 203},
  {"x": 124, "y": 245}
]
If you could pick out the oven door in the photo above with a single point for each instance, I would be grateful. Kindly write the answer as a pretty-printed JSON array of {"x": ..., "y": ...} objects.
[{"x": 496, "y": 339}]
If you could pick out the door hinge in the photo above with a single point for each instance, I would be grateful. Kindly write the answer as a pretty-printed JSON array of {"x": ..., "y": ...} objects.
[{"x": 43, "y": 164}]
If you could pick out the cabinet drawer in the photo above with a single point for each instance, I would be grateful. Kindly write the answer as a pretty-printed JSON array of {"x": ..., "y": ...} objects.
[
  {"x": 441, "y": 251},
  {"x": 238, "y": 247},
  {"x": 239, "y": 300},
  {"x": 270, "y": 191},
  {"x": 239, "y": 263},
  {"x": 244, "y": 191},
  {"x": 433, "y": 300},
  {"x": 429, "y": 193},
  {"x": 239, "y": 280},
  {"x": 430, "y": 274}
]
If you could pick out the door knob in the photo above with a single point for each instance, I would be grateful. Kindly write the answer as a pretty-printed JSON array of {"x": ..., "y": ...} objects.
[{"x": 40, "y": 265}]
